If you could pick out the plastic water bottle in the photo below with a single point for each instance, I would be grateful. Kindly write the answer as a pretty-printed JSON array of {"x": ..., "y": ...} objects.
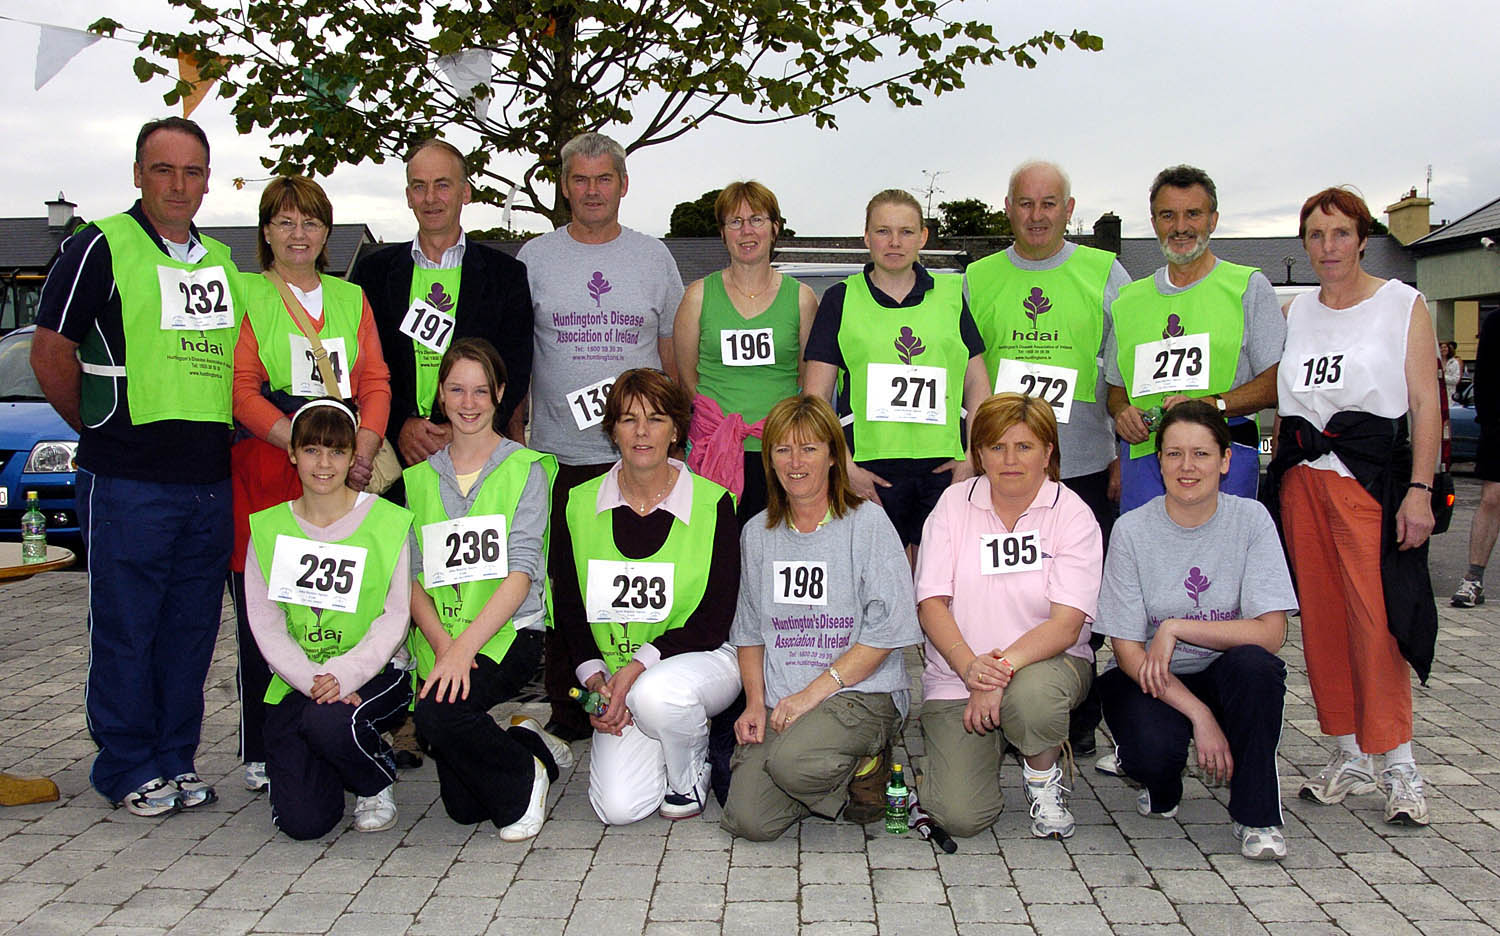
[
  {"x": 592, "y": 702},
  {"x": 33, "y": 531},
  {"x": 1152, "y": 417},
  {"x": 897, "y": 802}
]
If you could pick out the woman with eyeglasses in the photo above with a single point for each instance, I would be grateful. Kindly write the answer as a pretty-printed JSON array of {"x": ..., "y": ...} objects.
[
  {"x": 739, "y": 336},
  {"x": 275, "y": 372}
]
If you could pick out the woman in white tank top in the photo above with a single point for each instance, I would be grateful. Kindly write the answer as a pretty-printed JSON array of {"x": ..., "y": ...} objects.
[{"x": 1360, "y": 357}]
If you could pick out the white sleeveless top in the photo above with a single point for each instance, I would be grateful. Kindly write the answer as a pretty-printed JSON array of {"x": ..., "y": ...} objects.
[{"x": 1346, "y": 359}]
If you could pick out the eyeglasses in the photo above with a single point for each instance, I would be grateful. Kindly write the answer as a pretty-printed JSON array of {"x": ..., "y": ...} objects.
[
  {"x": 755, "y": 221},
  {"x": 310, "y": 226}
]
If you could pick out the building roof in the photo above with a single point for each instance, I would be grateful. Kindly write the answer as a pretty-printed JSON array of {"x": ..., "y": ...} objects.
[
  {"x": 1384, "y": 257},
  {"x": 28, "y": 244},
  {"x": 1465, "y": 232},
  {"x": 344, "y": 243}
]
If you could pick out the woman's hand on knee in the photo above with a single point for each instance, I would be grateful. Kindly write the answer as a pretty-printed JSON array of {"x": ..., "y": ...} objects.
[
  {"x": 750, "y": 727},
  {"x": 793, "y": 707},
  {"x": 450, "y": 676},
  {"x": 1214, "y": 758},
  {"x": 325, "y": 688},
  {"x": 986, "y": 672},
  {"x": 982, "y": 714}
]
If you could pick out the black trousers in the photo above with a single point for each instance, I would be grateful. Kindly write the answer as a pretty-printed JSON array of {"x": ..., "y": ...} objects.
[
  {"x": 1094, "y": 490},
  {"x": 558, "y": 677},
  {"x": 317, "y": 751},
  {"x": 252, "y": 678},
  {"x": 1245, "y": 689},
  {"x": 485, "y": 771}
]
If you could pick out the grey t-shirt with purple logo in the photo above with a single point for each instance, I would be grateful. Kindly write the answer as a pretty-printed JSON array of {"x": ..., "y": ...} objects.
[
  {"x": 1230, "y": 568},
  {"x": 598, "y": 310}
]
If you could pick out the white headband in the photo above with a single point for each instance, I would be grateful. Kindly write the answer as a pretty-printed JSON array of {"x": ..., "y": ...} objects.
[{"x": 323, "y": 401}]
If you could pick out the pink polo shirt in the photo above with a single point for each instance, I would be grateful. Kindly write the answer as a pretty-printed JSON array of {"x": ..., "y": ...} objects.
[{"x": 993, "y": 611}]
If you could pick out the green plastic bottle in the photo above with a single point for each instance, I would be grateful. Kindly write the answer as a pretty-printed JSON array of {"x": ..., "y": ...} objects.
[
  {"x": 592, "y": 702},
  {"x": 33, "y": 531},
  {"x": 897, "y": 802},
  {"x": 1152, "y": 417}
]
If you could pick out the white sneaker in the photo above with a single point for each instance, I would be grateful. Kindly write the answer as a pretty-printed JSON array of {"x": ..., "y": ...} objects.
[
  {"x": 1343, "y": 776},
  {"x": 375, "y": 813},
  {"x": 1405, "y": 801},
  {"x": 1050, "y": 817},
  {"x": 562, "y": 755},
  {"x": 530, "y": 822},
  {"x": 676, "y": 805},
  {"x": 1261, "y": 843},
  {"x": 1143, "y": 806},
  {"x": 255, "y": 776},
  {"x": 1109, "y": 764}
]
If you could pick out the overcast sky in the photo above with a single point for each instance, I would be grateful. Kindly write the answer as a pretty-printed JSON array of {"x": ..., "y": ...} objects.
[{"x": 1274, "y": 100}]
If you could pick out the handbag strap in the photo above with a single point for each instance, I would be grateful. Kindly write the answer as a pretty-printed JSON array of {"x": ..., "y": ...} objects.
[{"x": 309, "y": 330}]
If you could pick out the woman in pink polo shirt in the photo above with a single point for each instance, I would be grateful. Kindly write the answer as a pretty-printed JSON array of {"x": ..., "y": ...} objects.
[{"x": 1007, "y": 582}]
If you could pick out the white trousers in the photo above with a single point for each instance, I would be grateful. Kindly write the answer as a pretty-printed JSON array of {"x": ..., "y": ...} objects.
[{"x": 666, "y": 749}]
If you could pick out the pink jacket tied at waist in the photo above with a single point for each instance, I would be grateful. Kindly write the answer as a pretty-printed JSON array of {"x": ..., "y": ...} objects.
[{"x": 718, "y": 452}]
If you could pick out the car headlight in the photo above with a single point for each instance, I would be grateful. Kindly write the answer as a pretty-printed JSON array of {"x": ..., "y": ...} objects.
[{"x": 51, "y": 458}]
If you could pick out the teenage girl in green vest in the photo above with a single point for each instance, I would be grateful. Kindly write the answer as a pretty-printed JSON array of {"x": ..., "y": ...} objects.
[
  {"x": 739, "y": 335},
  {"x": 273, "y": 375},
  {"x": 479, "y": 548},
  {"x": 327, "y": 594},
  {"x": 908, "y": 353}
]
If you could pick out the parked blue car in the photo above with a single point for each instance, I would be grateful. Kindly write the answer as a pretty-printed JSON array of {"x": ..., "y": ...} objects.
[
  {"x": 1463, "y": 425},
  {"x": 37, "y": 449}
]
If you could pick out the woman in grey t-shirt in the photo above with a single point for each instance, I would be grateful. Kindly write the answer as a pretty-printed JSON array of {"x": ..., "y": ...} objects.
[{"x": 1194, "y": 601}]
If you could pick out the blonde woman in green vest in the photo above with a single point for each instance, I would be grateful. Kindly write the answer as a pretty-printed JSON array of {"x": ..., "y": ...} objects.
[
  {"x": 479, "y": 555},
  {"x": 327, "y": 593},
  {"x": 645, "y": 606},
  {"x": 274, "y": 373},
  {"x": 739, "y": 335},
  {"x": 909, "y": 355}
]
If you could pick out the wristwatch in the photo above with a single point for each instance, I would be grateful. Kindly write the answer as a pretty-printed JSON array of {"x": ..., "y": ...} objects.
[{"x": 1219, "y": 402}]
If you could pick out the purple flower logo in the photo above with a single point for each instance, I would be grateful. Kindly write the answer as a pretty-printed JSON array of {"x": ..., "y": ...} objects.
[
  {"x": 598, "y": 286},
  {"x": 1036, "y": 304},
  {"x": 439, "y": 299},
  {"x": 908, "y": 345},
  {"x": 1196, "y": 583},
  {"x": 1174, "y": 327}
]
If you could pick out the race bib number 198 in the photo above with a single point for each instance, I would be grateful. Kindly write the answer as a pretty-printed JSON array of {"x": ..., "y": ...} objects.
[
  {"x": 801, "y": 583},
  {"x": 318, "y": 575}
]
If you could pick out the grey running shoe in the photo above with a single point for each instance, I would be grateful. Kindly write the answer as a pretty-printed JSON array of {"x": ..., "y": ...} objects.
[
  {"x": 1469, "y": 594},
  {"x": 1343, "y": 776}
]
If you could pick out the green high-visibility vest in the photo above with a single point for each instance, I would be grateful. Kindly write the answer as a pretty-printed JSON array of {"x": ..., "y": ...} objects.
[
  {"x": 327, "y": 633},
  {"x": 343, "y": 306},
  {"x": 439, "y": 289},
  {"x": 689, "y": 547},
  {"x": 1214, "y": 305},
  {"x": 924, "y": 335},
  {"x": 1053, "y": 317},
  {"x": 170, "y": 373},
  {"x": 458, "y": 605}
]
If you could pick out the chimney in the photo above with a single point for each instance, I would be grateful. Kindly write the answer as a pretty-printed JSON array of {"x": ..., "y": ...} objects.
[
  {"x": 1408, "y": 217},
  {"x": 60, "y": 213},
  {"x": 1107, "y": 232}
]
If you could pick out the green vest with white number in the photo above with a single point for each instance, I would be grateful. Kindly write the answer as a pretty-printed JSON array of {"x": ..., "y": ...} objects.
[
  {"x": 689, "y": 547},
  {"x": 1051, "y": 316},
  {"x": 458, "y": 605},
  {"x": 170, "y": 374},
  {"x": 439, "y": 289},
  {"x": 925, "y": 335},
  {"x": 343, "y": 306},
  {"x": 1215, "y": 304},
  {"x": 326, "y": 634}
]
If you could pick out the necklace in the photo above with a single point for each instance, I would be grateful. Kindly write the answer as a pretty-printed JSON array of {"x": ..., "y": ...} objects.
[
  {"x": 741, "y": 290},
  {"x": 646, "y": 505}
]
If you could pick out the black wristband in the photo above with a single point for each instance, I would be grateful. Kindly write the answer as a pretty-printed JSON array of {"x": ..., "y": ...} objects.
[{"x": 1419, "y": 484}]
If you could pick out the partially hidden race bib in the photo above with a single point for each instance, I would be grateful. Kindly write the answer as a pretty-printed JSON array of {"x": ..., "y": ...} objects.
[
  {"x": 1055, "y": 385},
  {"x": 1000, "y": 553},
  {"x": 747, "y": 347},
  {"x": 318, "y": 575},
  {"x": 629, "y": 592},
  {"x": 427, "y": 326},
  {"x": 307, "y": 377},
  {"x": 195, "y": 300},
  {"x": 1325, "y": 372},
  {"x": 587, "y": 403},
  {"x": 1171, "y": 364},
  {"x": 469, "y": 549},
  {"x": 800, "y": 582},
  {"x": 906, "y": 393}
]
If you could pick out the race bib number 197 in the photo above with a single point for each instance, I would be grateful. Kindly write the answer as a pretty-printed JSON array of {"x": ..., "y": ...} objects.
[
  {"x": 318, "y": 575},
  {"x": 427, "y": 326}
]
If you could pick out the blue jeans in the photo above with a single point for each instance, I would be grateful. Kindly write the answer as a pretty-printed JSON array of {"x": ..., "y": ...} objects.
[{"x": 158, "y": 556}]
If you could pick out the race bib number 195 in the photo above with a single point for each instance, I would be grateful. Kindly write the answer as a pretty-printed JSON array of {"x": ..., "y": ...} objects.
[{"x": 1000, "y": 553}]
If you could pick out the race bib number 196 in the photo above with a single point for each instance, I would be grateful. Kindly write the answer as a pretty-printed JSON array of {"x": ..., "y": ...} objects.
[
  {"x": 629, "y": 592},
  {"x": 747, "y": 347},
  {"x": 318, "y": 575},
  {"x": 195, "y": 300}
]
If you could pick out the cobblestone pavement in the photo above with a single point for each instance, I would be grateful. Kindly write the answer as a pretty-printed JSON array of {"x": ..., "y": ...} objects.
[{"x": 79, "y": 866}]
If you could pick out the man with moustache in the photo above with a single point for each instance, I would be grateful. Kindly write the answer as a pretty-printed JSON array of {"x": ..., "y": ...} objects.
[
  {"x": 435, "y": 288},
  {"x": 1042, "y": 307},
  {"x": 134, "y": 348},
  {"x": 604, "y": 298},
  {"x": 1198, "y": 327}
]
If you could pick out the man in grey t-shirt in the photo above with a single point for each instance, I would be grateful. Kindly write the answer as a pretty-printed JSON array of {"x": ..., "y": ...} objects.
[
  {"x": 603, "y": 299},
  {"x": 1173, "y": 338}
]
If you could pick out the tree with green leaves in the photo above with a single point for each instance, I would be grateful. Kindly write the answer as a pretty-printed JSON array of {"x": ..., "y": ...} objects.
[
  {"x": 344, "y": 81},
  {"x": 695, "y": 218},
  {"x": 971, "y": 217}
]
